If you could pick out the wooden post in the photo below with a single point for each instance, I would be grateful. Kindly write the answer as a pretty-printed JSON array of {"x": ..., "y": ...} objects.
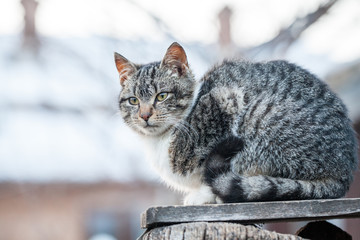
[
  {"x": 224, "y": 221},
  {"x": 213, "y": 231}
]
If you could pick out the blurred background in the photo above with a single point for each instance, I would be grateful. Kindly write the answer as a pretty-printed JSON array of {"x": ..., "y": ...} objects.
[{"x": 69, "y": 168}]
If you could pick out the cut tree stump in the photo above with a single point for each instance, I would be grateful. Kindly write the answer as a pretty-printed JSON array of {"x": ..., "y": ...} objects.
[
  {"x": 224, "y": 220},
  {"x": 214, "y": 231}
]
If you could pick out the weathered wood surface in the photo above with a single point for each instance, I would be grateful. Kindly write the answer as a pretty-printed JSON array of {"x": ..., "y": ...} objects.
[
  {"x": 260, "y": 212},
  {"x": 213, "y": 231}
]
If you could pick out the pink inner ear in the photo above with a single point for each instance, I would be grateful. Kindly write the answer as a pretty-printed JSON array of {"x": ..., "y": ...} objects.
[
  {"x": 176, "y": 56},
  {"x": 124, "y": 68}
]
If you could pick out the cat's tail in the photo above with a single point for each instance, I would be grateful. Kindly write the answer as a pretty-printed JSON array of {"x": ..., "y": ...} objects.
[{"x": 232, "y": 187}]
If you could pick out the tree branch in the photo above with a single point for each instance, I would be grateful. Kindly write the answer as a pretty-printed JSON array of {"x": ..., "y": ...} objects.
[{"x": 287, "y": 36}]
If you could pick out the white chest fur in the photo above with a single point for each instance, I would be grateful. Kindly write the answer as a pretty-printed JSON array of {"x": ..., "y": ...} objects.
[{"x": 159, "y": 158}]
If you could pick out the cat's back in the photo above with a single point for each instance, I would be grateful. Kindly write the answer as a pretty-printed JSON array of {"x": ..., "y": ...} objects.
[
  {"x": 287, "y": 110},
  {"x": 271, "y": 78},
  {"x": 275, "y": 83}
]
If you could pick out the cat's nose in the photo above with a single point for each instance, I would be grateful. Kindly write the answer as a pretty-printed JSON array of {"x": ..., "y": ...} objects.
[{"x": 146, "y": 116}]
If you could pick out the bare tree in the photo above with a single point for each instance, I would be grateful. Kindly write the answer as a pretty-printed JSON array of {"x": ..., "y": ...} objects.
[{"x": 278, "y": 46}]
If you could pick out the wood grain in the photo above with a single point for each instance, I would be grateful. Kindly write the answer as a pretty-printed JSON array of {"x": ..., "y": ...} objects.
[
  {"x": 257, "y": 212},
  {"x": 213, "y": 231}
]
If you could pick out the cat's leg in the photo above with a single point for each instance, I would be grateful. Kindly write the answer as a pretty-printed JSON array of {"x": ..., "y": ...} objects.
[{"x": 202, "y": 195}]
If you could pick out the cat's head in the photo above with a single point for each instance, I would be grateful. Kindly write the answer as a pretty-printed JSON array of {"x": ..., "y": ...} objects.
[{"x": 155, "y": 96}]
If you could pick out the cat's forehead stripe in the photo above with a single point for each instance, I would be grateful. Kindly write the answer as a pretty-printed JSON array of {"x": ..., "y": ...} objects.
[
  {"x": 148, "y": 70},
  {"x": 144, "y": 85}
]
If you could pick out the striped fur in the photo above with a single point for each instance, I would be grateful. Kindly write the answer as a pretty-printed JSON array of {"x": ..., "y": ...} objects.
[{"x": 253, "y": 132}]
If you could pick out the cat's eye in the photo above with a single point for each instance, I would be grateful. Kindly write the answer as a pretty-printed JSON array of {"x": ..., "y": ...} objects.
[
  {"x": 161, "y": 96},
  {"x": 133, "y": 101}
]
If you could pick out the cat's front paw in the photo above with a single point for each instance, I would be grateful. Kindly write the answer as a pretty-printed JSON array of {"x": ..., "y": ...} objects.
[{"x": 203, "y": 195}]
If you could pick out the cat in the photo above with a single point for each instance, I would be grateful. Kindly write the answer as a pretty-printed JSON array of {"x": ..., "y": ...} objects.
[{"x": 246, "y": 132}]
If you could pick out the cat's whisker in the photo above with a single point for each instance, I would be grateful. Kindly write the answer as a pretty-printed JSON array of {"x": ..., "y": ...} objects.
[
  {"x": 176, "y": 124},
  {"x": 191, "y": 128},
  {"x": 180, "y": 124},
  {"x": 185, "y": 128},
  {"x": 188, "y": 128}
]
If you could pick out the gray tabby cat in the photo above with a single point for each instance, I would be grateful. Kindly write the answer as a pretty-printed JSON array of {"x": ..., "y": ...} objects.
[{"x": 251, "y": 132}]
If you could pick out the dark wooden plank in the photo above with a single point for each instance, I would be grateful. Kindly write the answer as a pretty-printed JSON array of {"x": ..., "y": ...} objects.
[{"x": 259, "y": 212}]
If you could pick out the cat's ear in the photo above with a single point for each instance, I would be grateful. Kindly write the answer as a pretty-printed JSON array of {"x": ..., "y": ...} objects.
[
  {"x": 175, "y": 58},
  {"x": 124, "y": 67}
]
